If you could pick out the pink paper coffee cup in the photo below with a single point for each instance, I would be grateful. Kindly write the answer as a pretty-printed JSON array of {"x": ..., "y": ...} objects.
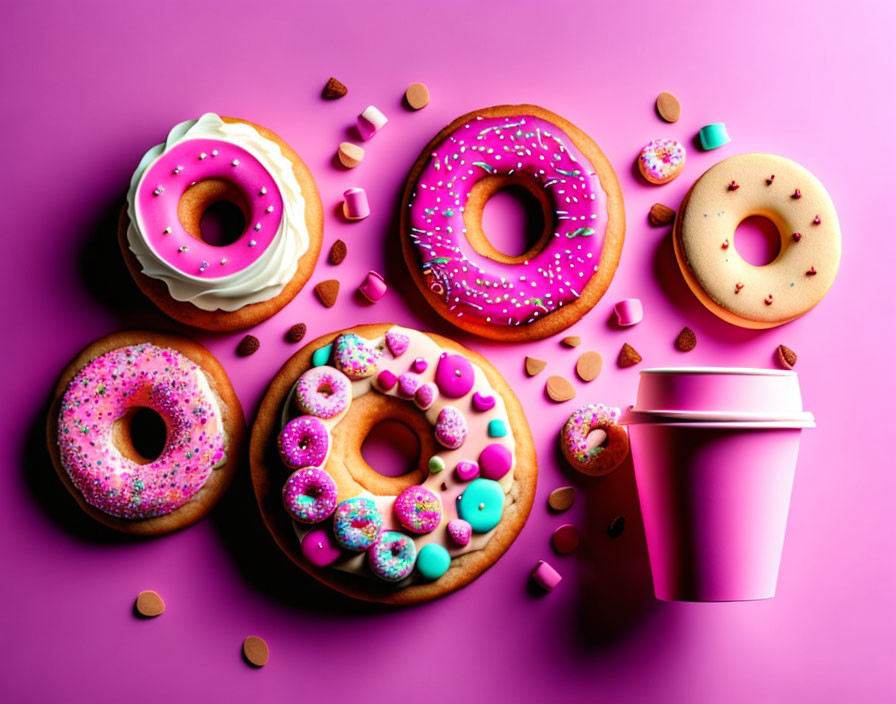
[{"x": 714, "y": 487}]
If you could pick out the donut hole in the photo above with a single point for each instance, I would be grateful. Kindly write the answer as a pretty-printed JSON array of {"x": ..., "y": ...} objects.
[
  {"x": 325, "y": 389},
  {"x": 140, "y": 434},
  {"x": 597, "y": 437},
  {"x": 508, "y": 218},
  {"x": 757, "y": 240},
  {"x": 214, "y": 211},
  {"x": 391, "y": 448}
]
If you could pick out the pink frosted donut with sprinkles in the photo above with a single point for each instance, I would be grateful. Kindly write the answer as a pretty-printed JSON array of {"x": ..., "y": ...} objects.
[
  {"x": 324, "y": 392},
  {"x": 467, "y": 280},
  {"x": 95, "y": 424},
  {"x": 661, "y": 160},
  {"x": 229, "y": 285},
  {"x": 592, "y": 440}
]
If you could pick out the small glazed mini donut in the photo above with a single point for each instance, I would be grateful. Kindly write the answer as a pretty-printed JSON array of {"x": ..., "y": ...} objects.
[
  {"x": 704, "y": 237},
  {"x": 661, "y": 160},
  {"x": 392, "y": 556},
  {"x": 309, "y": 495},
  {"x": 232, "y": 286},
  {"x": 89, "y": 431},
  {"x": 456, "y": 520},
  {"x": 462, "y": 276},
  {"x": 324, "y": 392},
  {"x": 592, "y": 441}
]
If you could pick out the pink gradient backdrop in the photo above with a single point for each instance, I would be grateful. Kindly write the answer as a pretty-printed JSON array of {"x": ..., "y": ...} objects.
[{"x": 89, "y": 86}]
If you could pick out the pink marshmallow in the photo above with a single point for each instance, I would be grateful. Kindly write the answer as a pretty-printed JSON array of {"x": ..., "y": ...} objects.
[
  {"x": 374, "y": 287},
  {"x": 355, "y": 205},
  {"x": 370, "y": 122},
  {"x": 629, "y": 312},
  {"x": 546, "y": 576}
]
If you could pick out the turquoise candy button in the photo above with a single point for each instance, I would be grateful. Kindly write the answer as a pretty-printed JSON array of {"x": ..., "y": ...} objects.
[
  {"x": 714, "y": 136},
  {"x": 433, "y": 561},
  {"x": 481, "y": 504},
  {"x": 497, "y": 428},
  {"x": 321, "y": 356}
]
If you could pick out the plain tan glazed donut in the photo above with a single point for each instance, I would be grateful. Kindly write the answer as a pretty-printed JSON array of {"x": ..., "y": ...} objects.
[{"x": 704, "y": 238}]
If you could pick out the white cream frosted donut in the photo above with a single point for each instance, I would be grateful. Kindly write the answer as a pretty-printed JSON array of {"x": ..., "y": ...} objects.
[{"x": 704, "y": 237}]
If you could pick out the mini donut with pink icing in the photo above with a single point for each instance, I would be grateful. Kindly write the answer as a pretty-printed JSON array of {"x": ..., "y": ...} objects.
[
  {"x": 592, "y": 440},
  {"x": 232, "y": 285},
  {"x": 467, "y": 418},
  {"x": 662, "y": 160},
  {"x": 91, "y": 431},
  {"x": 467, "y": 280}
]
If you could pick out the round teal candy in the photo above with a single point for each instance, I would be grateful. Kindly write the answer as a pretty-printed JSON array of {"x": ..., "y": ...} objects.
[
  {"x": 433, "y": 561},
  {"x": 321, "y": 355},
  {"x": 714, "y": 136},
  {"x": 482, "y": 504}
]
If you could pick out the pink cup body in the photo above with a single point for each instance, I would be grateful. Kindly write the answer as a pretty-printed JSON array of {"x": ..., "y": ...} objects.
[{"x": 714, "y": 499}]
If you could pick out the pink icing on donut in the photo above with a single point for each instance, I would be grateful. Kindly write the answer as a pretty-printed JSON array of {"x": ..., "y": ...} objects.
[
  {"x": 101, "y": 393},
  {"x": 323, "y": 392},
  {"x": 470, "y": 284},
  {"x": 189, "y": 162},
  {"x": 309, "y": 495},
  {"x": 303, "y": 442},
  {"x": 418, "y": 510}
]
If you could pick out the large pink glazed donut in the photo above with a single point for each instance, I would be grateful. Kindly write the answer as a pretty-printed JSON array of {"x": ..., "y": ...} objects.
[
  {"x": 89, "y": 431},
  {"x": 559, "y": 279}
]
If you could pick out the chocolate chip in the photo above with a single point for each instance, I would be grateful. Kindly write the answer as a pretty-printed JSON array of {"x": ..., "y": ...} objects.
[
  {"x": 248, "y": 345},
  {"x": 686, "y": 340},
  {"x": 296, "y": 333},
  {"x": 334, "y": 89},
  {"x": 417, "y": 96},
  {"x": 534, "y": 366},
  {"x": 628, "y": 356},
  {"x": 617, "y": 525},
  {"x": 559, "y": 389},
  {"x": 786, "y": 357},
  {"x": 327, "y": 291},
  {"x": 589, "y": 365},
  {"x": 338, "y": 252},
  {"x": 561, "y": 499},
  {"x": 668, "y": 107},
  {"x": 572, "y": 341}
]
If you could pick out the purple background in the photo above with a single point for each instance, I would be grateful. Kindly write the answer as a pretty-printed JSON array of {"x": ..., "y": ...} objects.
[{"x": 89, "y": 86}]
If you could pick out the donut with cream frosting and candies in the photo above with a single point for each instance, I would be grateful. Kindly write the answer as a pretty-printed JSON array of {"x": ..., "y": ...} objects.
[
  {"x": 460, "y": 521},
  {"x": 303, "y": 442},
  {"x": 797, "y": 204},
  {"x": 592, "y": 440},
  {"x": 200, "y": 164},
  {"x": 323, "y": 392},
  {"x": 94, "y": 431},
  {"x": 462, "y": 276}
]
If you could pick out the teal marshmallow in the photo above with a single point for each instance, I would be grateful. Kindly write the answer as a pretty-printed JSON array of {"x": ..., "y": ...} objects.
[
  {"x": 481, "y": 505},
  {"x": 433, "y": 561},
  {"x": 436, "y": 464},
  {"x": 321, "y": 356},
  {"x": 714, "y": 136},
  {"x": 497, "y": 428}
]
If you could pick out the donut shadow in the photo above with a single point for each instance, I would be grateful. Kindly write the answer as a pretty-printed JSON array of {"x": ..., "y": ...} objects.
[
  {"x": 48, "y": 492},
  {"x": 697, "y": 316}
]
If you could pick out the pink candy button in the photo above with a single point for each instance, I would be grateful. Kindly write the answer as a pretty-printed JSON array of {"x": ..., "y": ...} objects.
[
  {"x": 355, "y": 205},
  {"x": 629, "y": 312},
  {"x": 466, "y": 470},
  {"x": 319, "y": 548},
  {"x": 374, "y": 287},
  {"x": 495, "y": 461},
  {"x": 546, "y": 576},
  {"x": 370, "y": 122}
]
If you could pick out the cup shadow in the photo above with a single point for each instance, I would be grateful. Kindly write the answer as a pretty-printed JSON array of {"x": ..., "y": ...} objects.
[{"x": 615, "y": 590}]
